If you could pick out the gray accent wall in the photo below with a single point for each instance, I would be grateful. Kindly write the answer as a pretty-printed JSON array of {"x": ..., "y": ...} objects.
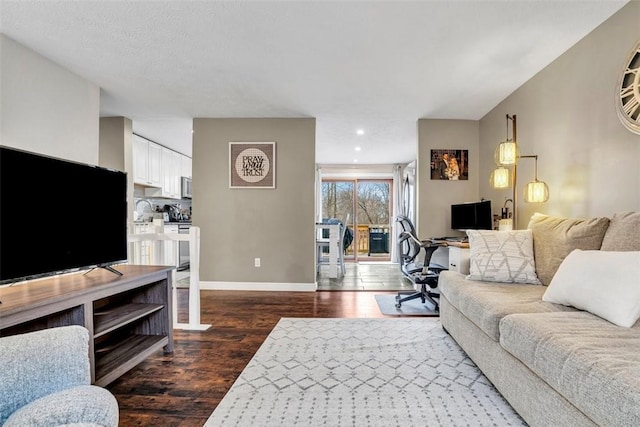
[
  {"x": 45, "y": 108},
  {"x": 116, "y": 151},
  {"x": 115, "y": 142},
  {"x": 238, "y": 225},
  {"x": 566, "y": 115},
  {"x": 435, "y": 197}
]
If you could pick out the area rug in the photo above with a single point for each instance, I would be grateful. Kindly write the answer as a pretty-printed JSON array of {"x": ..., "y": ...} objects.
[
  {"x": 362, "y": 372},
  {"x": 415, "y": 307}
]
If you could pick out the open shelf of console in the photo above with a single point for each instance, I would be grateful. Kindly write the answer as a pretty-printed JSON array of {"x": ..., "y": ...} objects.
[
  {"x": 109, "y": 320},
  {"x": 128, "y": 317},
  {"x": 114, "y": 360}
]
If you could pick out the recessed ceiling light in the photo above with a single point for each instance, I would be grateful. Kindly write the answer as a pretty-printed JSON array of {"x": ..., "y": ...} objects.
[
  {"x": 360, "y": 132},
  {"x": 355, "y": 160},
  {"x": 357, "y": 148}
]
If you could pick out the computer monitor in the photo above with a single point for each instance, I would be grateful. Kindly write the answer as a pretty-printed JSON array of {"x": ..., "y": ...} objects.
[{"x": 472, "y": 216}]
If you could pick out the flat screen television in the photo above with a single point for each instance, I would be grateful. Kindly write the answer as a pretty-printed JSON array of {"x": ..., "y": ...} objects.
[
  {"x": 472, "y": 216},
  {"x": 58, "y": 216}
]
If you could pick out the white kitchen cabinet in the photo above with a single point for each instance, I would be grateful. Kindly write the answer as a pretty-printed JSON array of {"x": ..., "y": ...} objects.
[
  {"x": 159, "y": 169},
  {"x": 155, "y": 252},
  {"x": 459, "y": 259},
  {"x": 169, "y": 187},
  {"x": 155, "y": 164},
  {"x": 171, "y": 165},
  {"x": 147, "y": 162},
  {"x": 186, "y": 168},
  {"x": 140, "y": 160},
  {"x": 170, "y": 247},
  {"x": 145, "y": 252}
]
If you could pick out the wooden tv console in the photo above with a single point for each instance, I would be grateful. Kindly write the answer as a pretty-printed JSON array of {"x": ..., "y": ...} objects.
[{"x": 128, "y": 316}]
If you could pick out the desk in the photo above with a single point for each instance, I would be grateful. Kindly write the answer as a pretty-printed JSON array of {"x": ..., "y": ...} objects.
[
  {"x": 334, "y": 247},
  {"x": 457, "y": 256},
  {"x": 460, "y": 244},
  {"x": 450, "y": 243},
  {"x": 459, "y": 259}
]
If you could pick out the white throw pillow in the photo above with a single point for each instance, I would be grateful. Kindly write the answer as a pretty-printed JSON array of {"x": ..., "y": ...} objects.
[
  {"x": 502, "y": 256},
  {"x": 603, "y": 283}
]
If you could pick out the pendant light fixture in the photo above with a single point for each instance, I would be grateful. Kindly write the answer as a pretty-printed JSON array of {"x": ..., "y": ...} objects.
[
  {"x": 536, "y": 191},
  {"x": 500, "y": 177}
]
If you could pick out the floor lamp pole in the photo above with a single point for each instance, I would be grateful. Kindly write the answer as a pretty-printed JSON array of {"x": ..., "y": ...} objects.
[{"x": 514, "y": 193}]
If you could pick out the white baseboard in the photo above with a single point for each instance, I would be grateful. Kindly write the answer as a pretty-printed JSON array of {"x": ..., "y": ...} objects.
[{"x": 258, "y": 286}]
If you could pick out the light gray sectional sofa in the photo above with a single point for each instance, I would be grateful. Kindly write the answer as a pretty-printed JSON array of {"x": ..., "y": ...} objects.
[
  {"x": 555, "y": 364},
  {"x": 45, "y": 381}
]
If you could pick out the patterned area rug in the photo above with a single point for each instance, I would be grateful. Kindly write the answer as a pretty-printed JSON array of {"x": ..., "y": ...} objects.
[{"x": 362, "y": 372}]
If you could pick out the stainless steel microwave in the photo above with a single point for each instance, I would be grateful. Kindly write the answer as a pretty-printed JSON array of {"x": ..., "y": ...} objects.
[{"x": 186, "y": 187}]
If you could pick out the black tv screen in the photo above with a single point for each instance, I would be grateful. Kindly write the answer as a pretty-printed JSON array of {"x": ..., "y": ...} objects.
[
  {"x": 58, "y": 216},
  {"x": 472, "y": 216}
]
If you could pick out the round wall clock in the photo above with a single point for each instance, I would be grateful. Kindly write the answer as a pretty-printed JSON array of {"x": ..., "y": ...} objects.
[{"x": 628, "y": 92}]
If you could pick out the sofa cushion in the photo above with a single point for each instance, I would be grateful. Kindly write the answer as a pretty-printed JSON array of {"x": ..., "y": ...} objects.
[
  {"x": 502, "y": 256},
  {"x": 594, "y": 364},
  {"x": 555, "y": 237},
  {"x": 485, "y": 304},
  {"x": 613, "y": 276},
  {"x": 623, "y": 233}
]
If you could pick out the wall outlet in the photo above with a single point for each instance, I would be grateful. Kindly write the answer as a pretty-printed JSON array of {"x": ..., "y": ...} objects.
[{"x": 256, "y": 262}]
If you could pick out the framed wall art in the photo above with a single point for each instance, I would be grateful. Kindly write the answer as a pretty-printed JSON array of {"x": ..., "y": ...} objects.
[
  {"x": 450, "y": 164},
  {"x": 252, "y": 165}
]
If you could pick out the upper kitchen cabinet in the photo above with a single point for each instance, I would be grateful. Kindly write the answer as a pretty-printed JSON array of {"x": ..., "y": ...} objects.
[
  {"x": 147, "y": 162},
  {"x": 185, "y": 166},
  {"x": 171, "y": 171},
  {"x": 159, "y": 169}
]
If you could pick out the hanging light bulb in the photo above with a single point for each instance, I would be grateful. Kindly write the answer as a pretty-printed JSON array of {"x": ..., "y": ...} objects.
[
  {"x": 506, "y": 153},
  {"x": 499, "y": 178},
  {"x": 536, "y": 192}
]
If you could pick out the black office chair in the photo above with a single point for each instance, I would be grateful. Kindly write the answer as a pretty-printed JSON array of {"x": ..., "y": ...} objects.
[
  {"x": 423, "y": 272},
  {"x": 408, "y": 250}
]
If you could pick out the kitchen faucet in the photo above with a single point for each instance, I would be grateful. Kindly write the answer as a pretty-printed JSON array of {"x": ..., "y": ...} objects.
[{"x": 505, "y": 210}]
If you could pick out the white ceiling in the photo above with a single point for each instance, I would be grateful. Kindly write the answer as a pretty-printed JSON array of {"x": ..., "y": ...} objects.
[{"x": 372, "y": 65}]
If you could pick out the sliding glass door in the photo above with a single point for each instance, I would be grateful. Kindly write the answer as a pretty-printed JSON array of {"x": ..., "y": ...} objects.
[
  {"x": 368, "y": 203},
  {"x": 373, "y": 204}
]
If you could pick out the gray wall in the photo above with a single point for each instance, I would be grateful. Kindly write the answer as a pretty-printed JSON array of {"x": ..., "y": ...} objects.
[
  {"x": 45, "y": 108},
  {"x": 435, "y": 197},
  {"x": 115, "y": 140},
  {"x": 276, "y": 225},
  {"x": 566, "y": 115},
  {"x": 116, "y": 151}
]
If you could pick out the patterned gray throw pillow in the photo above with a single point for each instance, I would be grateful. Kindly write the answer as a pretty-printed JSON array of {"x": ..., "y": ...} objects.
[{"x": 502, "y": 256}]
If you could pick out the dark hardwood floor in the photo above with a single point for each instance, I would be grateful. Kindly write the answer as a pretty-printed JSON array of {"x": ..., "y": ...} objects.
[{"x": 183, "y": 388}]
